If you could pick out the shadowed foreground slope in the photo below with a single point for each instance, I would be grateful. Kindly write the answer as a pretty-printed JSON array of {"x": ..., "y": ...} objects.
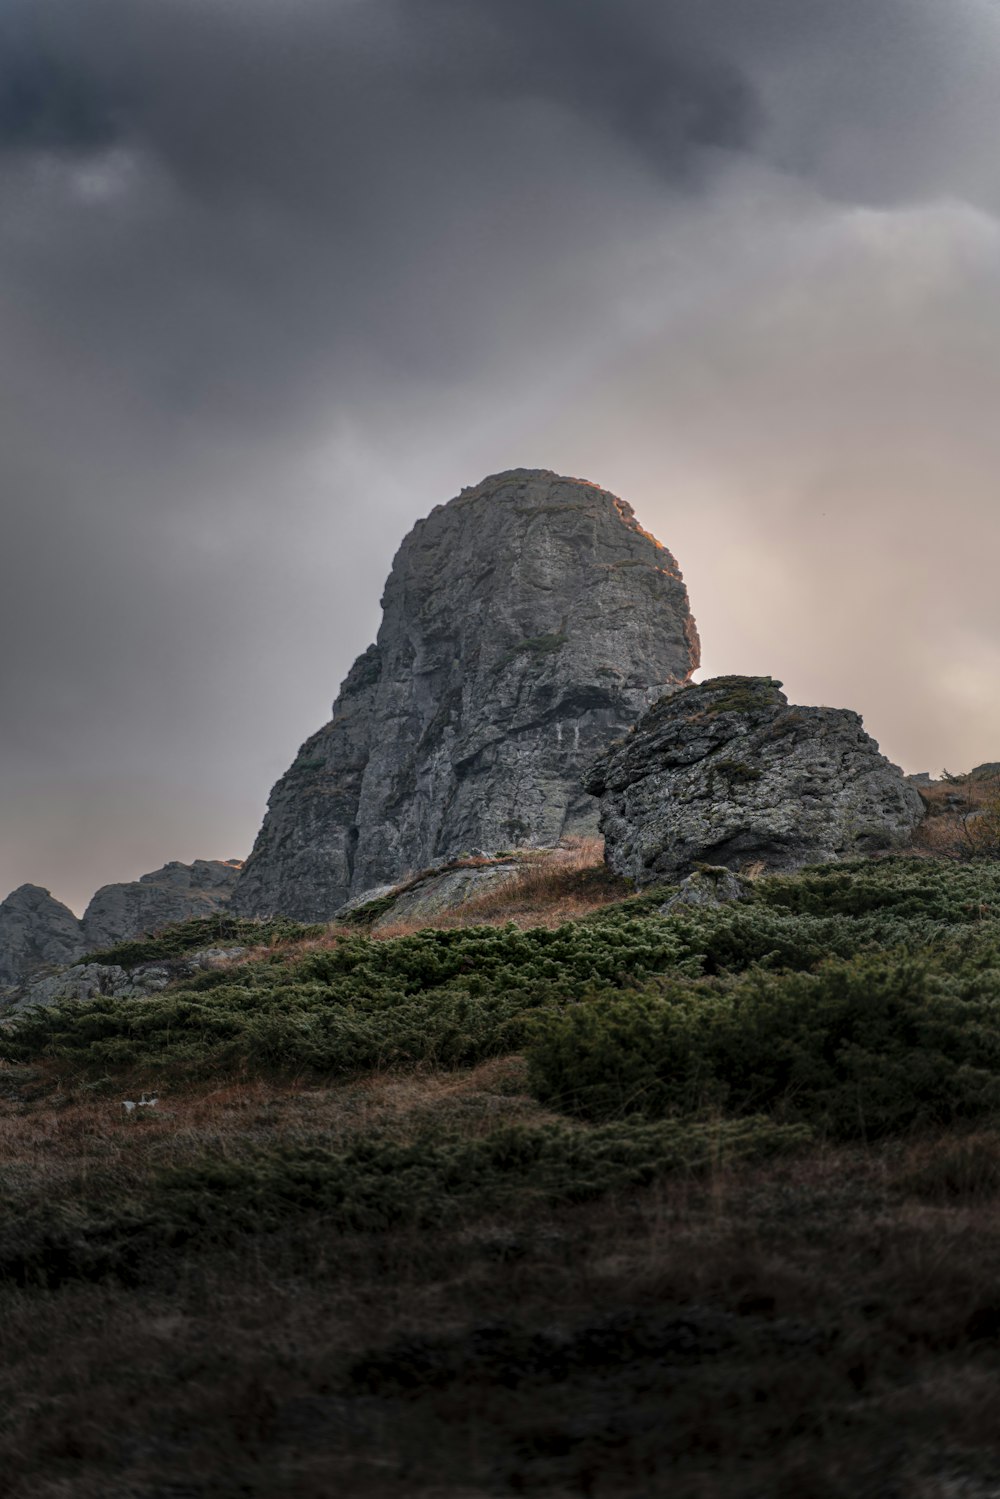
[{"x": 706, "y": 1204}]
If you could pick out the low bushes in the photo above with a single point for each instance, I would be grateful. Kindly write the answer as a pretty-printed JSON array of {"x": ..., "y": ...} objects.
[
  {"x": 922, "y": 890},
  {"x": 201, "y": 931},
  {"x": 451, "y": 998},
  {"x": 858, "y": 1048},
  {"x": 860, "y": 998}
]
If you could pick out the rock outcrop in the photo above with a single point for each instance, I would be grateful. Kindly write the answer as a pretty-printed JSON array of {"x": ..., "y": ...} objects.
[
  {"x": 433, "y": 893},
  {"x": 91, "y": 980},
  {"x": 710, "y": 886},
  {"x": 36, "y": 932},
  {"x": 177, "y": 892},
  {"x": 39, "y": 934},
  {"x": 727, "y": 773},
  {"x": 526, "y": 624}
]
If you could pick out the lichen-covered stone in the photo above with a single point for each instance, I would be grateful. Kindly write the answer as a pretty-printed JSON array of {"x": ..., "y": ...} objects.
[
  {"x": 445, "y": 890},
  {"x": 526, "y": 624},
  {"x": 727, "y": 773},
  {"x": 710, "y": 886}
]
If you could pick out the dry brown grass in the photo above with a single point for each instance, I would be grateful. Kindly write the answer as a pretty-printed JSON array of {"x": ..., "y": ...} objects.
[
  {"x": 552, "y": 886},
  {"x": 963, "y": 819},
  {"x": 54, "y": 1138}
]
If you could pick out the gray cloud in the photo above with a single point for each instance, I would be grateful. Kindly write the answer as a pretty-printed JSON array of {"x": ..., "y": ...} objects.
[{"x": 277, "y": 278}]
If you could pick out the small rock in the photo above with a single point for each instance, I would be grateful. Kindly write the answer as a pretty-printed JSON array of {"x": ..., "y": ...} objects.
[
  {"x": 177, "y": 892},
  {"x": 712, "y": 885},
  {"x": 36, "y": 931}
]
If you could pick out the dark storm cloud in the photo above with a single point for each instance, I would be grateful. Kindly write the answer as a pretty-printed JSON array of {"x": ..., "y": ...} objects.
[
  {"x": 275, "y": 277},
  {"x": 46, "y": 101},
  {"x": 75, "y": 75},
  {"x": 291, "y": 180},
  {"x": 301, "y": 100}
]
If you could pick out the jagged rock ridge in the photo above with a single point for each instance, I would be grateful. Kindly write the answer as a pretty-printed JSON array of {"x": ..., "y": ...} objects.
[
  {"x": 727, "y": 773},
  {"x": 39, "y": 933},
  {"x": 526, "y": 623},
  {"x": 177, "y": 892}
]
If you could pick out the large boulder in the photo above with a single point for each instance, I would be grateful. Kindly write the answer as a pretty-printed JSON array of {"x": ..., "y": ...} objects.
[
  {"x": 728, "y": 773},
  {"x": 37, "y": 932},
  {"x": 526, "y": 624},
  {"x": 177, "y": 892}
]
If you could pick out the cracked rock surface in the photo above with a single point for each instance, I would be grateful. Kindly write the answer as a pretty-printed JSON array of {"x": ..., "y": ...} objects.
[
  {"x": 728, "y": 773},
  {"x": 526, "y": 624}
]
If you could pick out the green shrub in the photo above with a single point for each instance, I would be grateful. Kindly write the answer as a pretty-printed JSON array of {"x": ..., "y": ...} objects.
[
  {"x": 912, "y": 889},
  {"x": 202, "y": 931},
  {"x": 858, "y": 1048},
  {"x": 455, "y": 997},
  {"x": 451, "y": 998}
]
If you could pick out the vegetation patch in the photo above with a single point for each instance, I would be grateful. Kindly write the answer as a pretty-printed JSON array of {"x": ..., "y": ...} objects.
[
  {"x": 372, "y": 1186},
  {"x": 539, "y": 645},
  {"x": 857, "y": 1049},
  {"x": 456, "y": 996},
  {"x": 220, "y": 930},
  {"x": 740, "y": 694},
  {"x": 624, "y": 1204}
]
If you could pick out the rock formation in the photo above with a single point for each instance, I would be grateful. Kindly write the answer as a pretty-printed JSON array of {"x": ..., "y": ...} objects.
[
  {"x": 90, "y": 980},
  {"x": 526, "y": 623},
  {"x": 727, "y": 772},
  {"x": 177, "y": 892},
  {"x": 39, "y": 933},
  {"x": 36, "y": 932},
  {"x": 433, "y": 893}
]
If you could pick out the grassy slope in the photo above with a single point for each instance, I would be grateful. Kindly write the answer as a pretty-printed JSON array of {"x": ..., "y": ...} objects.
[{"x": 617, "y": 1206}]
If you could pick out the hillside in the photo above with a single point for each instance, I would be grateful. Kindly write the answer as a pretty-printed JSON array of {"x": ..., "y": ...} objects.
[{"x": 557, "y": 1196}]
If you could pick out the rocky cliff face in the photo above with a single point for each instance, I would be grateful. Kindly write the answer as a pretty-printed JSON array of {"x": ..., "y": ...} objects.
[
  {"x": 727, "y": 773},
  {"x": 525, "y": 625}
]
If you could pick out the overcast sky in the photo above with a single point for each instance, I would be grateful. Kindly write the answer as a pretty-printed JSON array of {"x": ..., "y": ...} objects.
[{"x": 277, "y": 276}]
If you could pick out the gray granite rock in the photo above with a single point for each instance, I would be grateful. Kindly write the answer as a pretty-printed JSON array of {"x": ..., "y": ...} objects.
[
  {"x": 525, "y": 625},
  {"x": 39, "y": 934},
  {"x": 87, "y": 981},
  {"x": 988, "y": 771},
  {"x": 177, "y": 892},
  {"x": 448, "y": 890},
  {"x": 430, "y": 894},
  {"x": 711, "y": 885},
  {"x": 36, "y": 932},
  {"x": 84, "y": 981},
  {"x": 357, "y": 903},
  {"x": 727, "y": 772}
]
